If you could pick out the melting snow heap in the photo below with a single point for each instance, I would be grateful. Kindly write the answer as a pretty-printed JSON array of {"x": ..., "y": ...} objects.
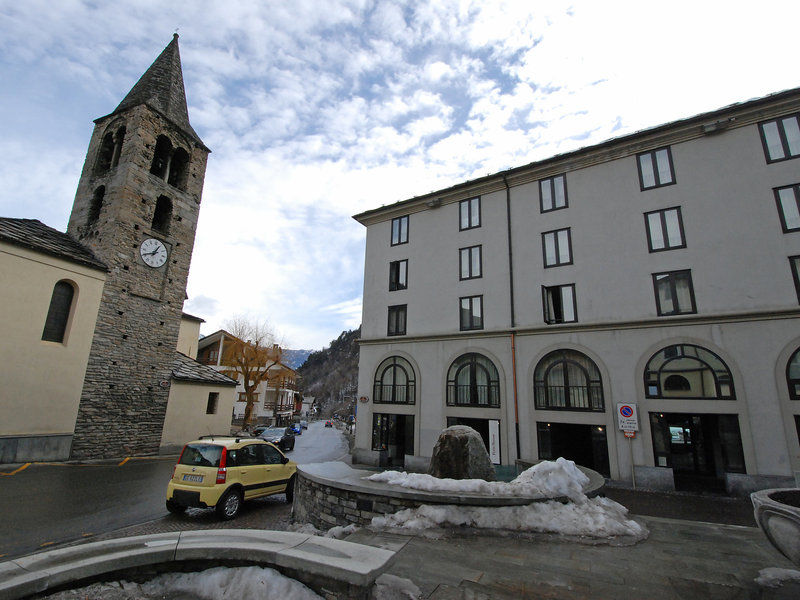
[{"x": 597, "y": 518}]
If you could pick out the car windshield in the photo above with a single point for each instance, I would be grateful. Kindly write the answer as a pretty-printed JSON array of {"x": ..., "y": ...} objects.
[
  {"x": 272, "y": 432},
  {"x": 201, "y": 455}
]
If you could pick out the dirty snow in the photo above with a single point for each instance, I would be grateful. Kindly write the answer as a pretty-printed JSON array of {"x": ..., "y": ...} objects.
[
  {"x": 219, "y": 583},
  {"x": 774, "y": 577},
  {"x": 337, "y": 532},
  {"x": 391, "y": 587},
  {"x": 595, "y": 518},
  {"x": 548, "y": 479}
]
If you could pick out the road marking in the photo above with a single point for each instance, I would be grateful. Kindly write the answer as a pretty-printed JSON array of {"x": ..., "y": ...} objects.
[
  {"x": 14, "y": 472},
  {"x": 90, "y": 534},
  {"x": 47, "y": 544},
  {"x": 124, "y": 461}
]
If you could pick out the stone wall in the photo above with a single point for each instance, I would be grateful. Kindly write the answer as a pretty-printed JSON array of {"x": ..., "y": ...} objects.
[{"x": 324, "y": 506}]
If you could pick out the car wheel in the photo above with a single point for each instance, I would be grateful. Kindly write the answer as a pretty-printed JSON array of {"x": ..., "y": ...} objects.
[
  {"x": 290, "y": 490},
  {"x": 175, "y": 509},
  {"x": 229, "y": 505}
]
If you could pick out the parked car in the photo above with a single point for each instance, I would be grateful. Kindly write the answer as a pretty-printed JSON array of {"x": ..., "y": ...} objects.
[
  {"x": 282, "y": 437},
  {"x": 297, "y": 428},
  {"x": 328, "y": 423},
  {"x": 304, "y": 424},
  {"x": 221, "y": 472}
]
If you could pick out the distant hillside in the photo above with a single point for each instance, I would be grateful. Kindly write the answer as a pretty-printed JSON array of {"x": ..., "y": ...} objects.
[
  {"x": 331, "y": 375},
  {"x": 295, "y": 358}
]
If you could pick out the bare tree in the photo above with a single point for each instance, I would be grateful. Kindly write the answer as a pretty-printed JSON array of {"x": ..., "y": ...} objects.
[{"x": 251, "y": 353}]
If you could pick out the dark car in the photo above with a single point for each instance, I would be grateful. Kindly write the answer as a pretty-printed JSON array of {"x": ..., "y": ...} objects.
[{"x": 282, "y": 437}]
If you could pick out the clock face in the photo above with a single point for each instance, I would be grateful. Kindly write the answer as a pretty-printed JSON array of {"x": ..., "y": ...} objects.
[{"x": 153, "y": 252}]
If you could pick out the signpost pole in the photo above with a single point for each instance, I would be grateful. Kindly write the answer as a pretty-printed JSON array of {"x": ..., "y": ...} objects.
[{"x": 633, "y": 470}]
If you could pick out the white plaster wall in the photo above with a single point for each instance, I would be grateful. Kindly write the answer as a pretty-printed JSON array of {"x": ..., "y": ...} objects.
[{"x": 186, "y": 417}]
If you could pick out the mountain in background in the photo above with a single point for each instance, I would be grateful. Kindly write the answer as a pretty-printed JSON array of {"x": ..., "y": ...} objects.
[
  {"x": 295, "y": 358},
  {"x": 331, "y": 375}
]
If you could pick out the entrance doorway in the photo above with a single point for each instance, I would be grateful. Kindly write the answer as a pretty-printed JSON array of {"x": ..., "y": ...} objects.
[
  {"x": 585, "y": 444},
  {"x": 700, "y": 448},
  {"x": 393, "y": 438}
]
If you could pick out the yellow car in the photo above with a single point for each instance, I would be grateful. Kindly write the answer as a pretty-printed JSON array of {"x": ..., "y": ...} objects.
[{"x": 222, "y": 472}]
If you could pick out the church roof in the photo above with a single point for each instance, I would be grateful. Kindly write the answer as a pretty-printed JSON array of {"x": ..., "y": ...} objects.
[
  {"x": 161, "y": 88},
  {"x": 188, "y": 369},
  {"x": 35, "y": 235}
]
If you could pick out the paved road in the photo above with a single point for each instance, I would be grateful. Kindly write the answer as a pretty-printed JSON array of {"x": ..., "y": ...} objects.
[{"x": 49, "y": 504}]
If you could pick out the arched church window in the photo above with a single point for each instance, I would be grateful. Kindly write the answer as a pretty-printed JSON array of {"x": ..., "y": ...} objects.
[
  {"x": 568, "y": 380},
  {"x": 688, "y": 371},
  {"x": 105, "y": 155},
  {"x": 97, "y": 205},
  {"x": 119, "y": 137},
  {"x": 162, "y": 215},
  {"x": 179, "y": 169},
  {"x": 161, "y": 157},
  {"x": 55, "y": 325},
  {"x": 793, "y": 375},
  {"x": 394, "y": 382},
  {"x": 472, "y": 380}
]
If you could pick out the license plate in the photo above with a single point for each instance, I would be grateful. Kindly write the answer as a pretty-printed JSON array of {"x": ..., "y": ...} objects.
[{"x": 196, "y": 478}]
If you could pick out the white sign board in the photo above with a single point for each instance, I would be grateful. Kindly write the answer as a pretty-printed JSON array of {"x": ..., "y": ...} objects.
[
  {"x": 494, "y": 441},
  {"x": 627, "y": 417}
]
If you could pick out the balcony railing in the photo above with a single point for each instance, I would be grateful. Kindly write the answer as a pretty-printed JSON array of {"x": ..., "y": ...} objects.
[
  {"x": 559, "y": 397},
  {"x": 403, "y": 394},
  {"x": 487, "y": 395}
]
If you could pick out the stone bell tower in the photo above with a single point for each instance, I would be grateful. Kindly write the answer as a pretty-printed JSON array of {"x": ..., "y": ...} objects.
[{"x": 136, "y": 208}]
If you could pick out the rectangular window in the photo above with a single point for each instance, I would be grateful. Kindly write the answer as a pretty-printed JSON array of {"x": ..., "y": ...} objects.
[
  {"x": 655, "y": 168},
  {"x": 664, "y": 229},
  {"x": 781, "y": 138},
  {"x": 211, "y": 406},
  {"x": 471, "y": 313},
  {"x": 469, "y": 214},
  {"x": 557, "y": 248},
  {"x": 470, "y": 263},
  {"x": 398, "y": 275},
  {"x": 397, "y": 320},
  {"x": 674, "y": 293},
  {"x": 788, "y": 199},
  {"x": 559, "y": 304},
  {"x": 400, "y": 230},
  {"x": 794, "y": 261},
  {"x": 553, "y": 193}
]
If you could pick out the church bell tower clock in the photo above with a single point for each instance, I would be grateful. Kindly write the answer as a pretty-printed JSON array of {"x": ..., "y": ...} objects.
[{"x": 136, "y": 208}]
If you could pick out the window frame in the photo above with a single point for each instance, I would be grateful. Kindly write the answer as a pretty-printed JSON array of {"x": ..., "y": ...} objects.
[
  {"x": 468, "y": 203},
  {"x": 475, "y": 323},
  {"x": 724, "y": 387},
  {"x": 795, "y": 187},
  {"x": 400, "y": 221},
  {"x": 379, "y": 388},
  {"x": 664, "y": 229},
  {"x": 554, "y": 233},
  {"x": 469, "y": 262},
  {"x": 673, "y": 289},
  {"x": 561, "y": 359},
  {"x": 781, "y": 135},
  {"x": 550, "y": 181},
  {"x": 794, "y": 264},
  {"x": 545, "y": 304},
  {"x": 654, "y": 162},
  {"x": 473, "y": 361},
  {"x": 395, "y": 283},
  {"x": 59, "y": 312},
  {"x": 394, "y": 313},
  {"x": 212, "y": 405}
]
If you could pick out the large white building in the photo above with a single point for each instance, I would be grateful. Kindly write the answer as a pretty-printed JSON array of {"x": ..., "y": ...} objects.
[{"x": 660, "y": 269}]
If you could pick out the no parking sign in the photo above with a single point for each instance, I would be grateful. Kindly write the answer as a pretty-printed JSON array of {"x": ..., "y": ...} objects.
[{"x": 627, "y": 417}]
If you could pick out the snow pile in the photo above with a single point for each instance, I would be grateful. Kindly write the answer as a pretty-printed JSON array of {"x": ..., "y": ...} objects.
[
  {"x": 548, "y": 479},
  {"x": 391, "y": 587},
  {"x": 337, "y": 532},
  {"x": 595, "y": 517},
  {"x": 774, "y": 577},
  {"x": 219, "y": 583}
]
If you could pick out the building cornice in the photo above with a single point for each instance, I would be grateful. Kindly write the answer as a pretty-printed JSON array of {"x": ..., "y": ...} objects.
[
  {"x": 695, "y": 320},
  {"x": 705, "y": 124}
]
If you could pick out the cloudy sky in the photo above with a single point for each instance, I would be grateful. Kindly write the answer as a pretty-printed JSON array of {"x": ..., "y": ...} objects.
[{"x": 320, "y": 109}]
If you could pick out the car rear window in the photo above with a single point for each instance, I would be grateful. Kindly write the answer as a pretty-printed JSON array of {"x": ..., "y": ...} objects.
[{"x": 201, "y": 455}]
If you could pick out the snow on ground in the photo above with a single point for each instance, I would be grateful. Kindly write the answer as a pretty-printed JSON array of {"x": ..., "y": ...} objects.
[
  {"x": 337, "y": 532},
  {"x": 219, "y": 583},
  {"x": 595, "y": 518},
  {"x": 774, "y": 577},
  {"x": 548, "y": 479},
  {"x": 391, "y": 587}
]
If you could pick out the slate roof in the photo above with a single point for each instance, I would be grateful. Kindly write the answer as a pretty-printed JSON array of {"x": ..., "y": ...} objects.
[
  {"x": 161, "y": 88},
  {"x": 189, "y": 317},
  {"x": 35, "y": 235},
  {"x": 188, "y": 369}
]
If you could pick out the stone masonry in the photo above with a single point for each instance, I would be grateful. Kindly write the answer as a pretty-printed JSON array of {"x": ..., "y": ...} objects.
[{"x": 127, "y": 380}]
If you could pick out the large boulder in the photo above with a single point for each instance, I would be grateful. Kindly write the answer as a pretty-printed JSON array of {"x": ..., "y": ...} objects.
[{"x": 459, "y": 453}]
